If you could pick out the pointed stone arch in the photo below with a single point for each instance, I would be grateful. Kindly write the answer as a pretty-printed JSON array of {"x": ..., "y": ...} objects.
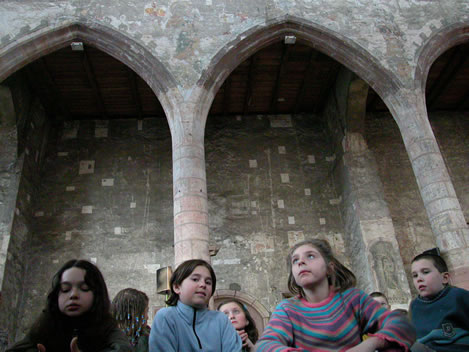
[
  {"x": 446, "y": 38},
  {"x": 331, "y": 43},
  {"x": 106, "y": 39}
]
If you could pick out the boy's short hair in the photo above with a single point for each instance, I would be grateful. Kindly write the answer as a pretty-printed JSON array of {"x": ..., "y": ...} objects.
[
  {"x": 379, "y": 294},
  {"x": 434, "y": 256}
]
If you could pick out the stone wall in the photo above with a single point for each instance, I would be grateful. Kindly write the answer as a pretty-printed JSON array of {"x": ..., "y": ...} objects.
[
  {"x": 408, "y": 214},
  {"x": 105, "y": 196},
  {"x": 269, "y": 181}
]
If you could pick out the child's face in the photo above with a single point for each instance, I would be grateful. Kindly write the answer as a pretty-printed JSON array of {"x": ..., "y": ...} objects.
[
  {"x": 75, "y": 296},
  {"x": 196, "y": 289},
  {"x": 308, "y": 267},
  {"x": 427, "y": 279},
  {"x": 236, "y": 315},
  {"x": 382, "y": 301}
]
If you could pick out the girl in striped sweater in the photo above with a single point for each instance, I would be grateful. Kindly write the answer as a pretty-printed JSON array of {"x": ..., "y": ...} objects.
[{"x": 328, "y": 313}]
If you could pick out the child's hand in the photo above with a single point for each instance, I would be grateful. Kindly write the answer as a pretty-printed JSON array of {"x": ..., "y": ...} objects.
[
  {"x": 371, "y": 344},
  {"x": 74, "y": 345},
  {"x": 246, "y": 342},
  {"x": 41, "y": 348}
]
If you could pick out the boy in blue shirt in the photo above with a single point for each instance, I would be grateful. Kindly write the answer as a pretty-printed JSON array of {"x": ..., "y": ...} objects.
[{"x": 440, "y": 313}]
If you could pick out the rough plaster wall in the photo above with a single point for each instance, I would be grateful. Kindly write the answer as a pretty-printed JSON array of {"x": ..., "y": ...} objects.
[
  {"x": 269, "y": 184},
  {"x": 185, "y": 35},
  {"x": 117, "y": 214}
]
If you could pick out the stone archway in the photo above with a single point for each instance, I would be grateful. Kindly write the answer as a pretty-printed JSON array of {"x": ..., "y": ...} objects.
[
  {"x": 443, "y": 40},
  {"x": 112, "y": 42},
  {"x": 257, "y": 310},
  {"x": 331, "y": 43}
]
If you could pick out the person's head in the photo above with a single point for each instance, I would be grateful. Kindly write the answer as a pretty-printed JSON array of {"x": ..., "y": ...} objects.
[
  {"x": 78, "y": 288},
  {"x": 401, "y": 311},
  {"x": 312, "y": 261},
  {"x": 381, "y": 299},
  {"x": 130, "y": 309},
  {"x": 240, "y": 318},
  {"x": 193, "y": 283},
  {"x": 429, "y": 273}
]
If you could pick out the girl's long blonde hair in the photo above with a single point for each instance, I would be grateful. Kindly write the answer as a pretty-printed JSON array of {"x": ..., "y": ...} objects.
[{"x": 338, "y": 276}]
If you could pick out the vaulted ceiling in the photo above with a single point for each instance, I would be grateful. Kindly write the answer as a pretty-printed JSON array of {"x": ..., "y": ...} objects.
[{"x": 280, "y": 78}]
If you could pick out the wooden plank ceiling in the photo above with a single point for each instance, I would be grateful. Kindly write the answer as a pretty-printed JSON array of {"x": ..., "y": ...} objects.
[{"x": 279, "y": 79}]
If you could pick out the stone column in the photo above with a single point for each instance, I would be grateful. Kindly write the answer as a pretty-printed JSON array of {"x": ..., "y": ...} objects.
[
  {"x": 373, "y": 246},
  {"x": 437, "y": 191},
  {"x": 191, "y": 233},
  {"x": 370, "y": 224}
]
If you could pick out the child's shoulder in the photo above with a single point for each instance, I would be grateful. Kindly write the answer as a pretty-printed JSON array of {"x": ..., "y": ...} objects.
[
  {"x": 165, "y": 312},
  {"x": 459, "y": 291}
]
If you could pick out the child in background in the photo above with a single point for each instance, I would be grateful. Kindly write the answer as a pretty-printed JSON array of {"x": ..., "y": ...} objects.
[
  {"x": 381, "y": 299},
  {"x": 440, "y": 313},
  {"x": 130, "y": 309},
  {"x": 77, "y": 315},
  {"x": 328, "y": 314},
  {"x": 187, "y": 325},
  {"x": 242, "y": 322}
]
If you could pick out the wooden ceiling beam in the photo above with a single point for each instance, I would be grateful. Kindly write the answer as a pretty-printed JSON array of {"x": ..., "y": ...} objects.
[
  {"x": 453, "y": 65},
  {"x": 248, "y": 96},
  {"x": 135, "y": 93},
  {"x": 280, "y": 73},
  {"x": 93, "y": 83},
  {"x": 57, "y": 98},
  {"x": 306, "y": 76},
  {"x": 32, "y": 79}
]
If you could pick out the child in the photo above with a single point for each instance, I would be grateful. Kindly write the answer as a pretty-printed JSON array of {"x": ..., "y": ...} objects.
[
  {"x": 440, "y": 313},
  {"x": 381, "y": 299},
  {"x": 242, "y": 322},
  {"x": 76, "y": 317},
  {"x": 130, "y": 309},
  {"x": 187, "y": 325},
  {"x": 328, "y": 314}
]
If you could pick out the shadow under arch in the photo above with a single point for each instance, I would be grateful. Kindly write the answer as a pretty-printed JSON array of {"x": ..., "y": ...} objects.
[
  {"x": 106, "y": 39},
  {"x": 446, "y": 38},
  {"x": 257, "y": 310},
  {"x": 331, "y": 43}
]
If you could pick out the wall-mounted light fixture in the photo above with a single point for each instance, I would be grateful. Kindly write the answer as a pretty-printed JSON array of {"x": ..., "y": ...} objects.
[
  {"x": 77, "y": 46},
  {"x": 163, "y": 276},
  {"x": 290, "y": 39}
]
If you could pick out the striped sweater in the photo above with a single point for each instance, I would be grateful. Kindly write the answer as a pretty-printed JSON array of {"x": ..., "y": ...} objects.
[{"x": 335, "y": 324}]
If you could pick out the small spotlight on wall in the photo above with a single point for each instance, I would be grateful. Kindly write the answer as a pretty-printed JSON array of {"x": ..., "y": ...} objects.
[
  {"x": 77, "y": 46},
  {"x": 163, "y": 276},
  {"x": 290, "y": 39}
]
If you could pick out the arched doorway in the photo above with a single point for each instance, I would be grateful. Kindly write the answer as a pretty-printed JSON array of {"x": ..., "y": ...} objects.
[{"x": 258, "y": 312}]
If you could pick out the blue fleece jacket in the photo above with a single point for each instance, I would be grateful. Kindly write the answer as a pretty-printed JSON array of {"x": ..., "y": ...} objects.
[
  {"x": 442, "y": 322},
  {"x": 183, "y": 328}
]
